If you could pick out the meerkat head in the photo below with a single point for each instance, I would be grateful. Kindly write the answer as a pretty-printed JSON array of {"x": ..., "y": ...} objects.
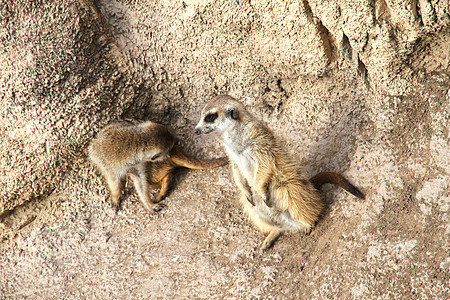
[{"x": 220, "y": 114}]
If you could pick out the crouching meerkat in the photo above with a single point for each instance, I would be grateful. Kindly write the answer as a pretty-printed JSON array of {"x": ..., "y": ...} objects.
[
  {"x": 276, "y": 194},
  {"x": 147, "y": 152}
]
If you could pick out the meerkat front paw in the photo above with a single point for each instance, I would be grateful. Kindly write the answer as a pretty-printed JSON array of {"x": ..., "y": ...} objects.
[
  {"x": 266, "y": 199},
  {"x": 158, "y": 207},
  {"x": 250, "y": 199}
]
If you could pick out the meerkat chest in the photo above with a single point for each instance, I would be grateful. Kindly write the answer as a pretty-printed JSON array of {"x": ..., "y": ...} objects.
[{"x": 242, "y": 156}]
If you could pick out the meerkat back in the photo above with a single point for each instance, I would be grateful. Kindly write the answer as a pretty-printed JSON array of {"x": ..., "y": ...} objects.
[
  {"x": 124, "y": 143},
  {"x": 112, "y": 147}
]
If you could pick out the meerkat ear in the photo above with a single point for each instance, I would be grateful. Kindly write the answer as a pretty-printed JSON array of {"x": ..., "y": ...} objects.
[{"x": 232, "y": 113}]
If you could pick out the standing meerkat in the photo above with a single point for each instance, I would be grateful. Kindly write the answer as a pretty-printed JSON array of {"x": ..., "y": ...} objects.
[
  {"x": 276, "y": 194},
  {"x": 147, "y": 152}
]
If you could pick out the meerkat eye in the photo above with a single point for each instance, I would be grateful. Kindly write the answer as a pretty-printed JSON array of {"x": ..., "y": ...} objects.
[
  {"x": 210, "y": 117},
  {"x": 156, "y": 156}
]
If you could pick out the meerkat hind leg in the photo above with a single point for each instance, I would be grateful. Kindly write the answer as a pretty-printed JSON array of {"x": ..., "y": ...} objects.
[
  {"x": 308, "y": 230},
  {"x": 141, "y": 186},
  {"x": 270, "y": 239},
  {"x": 165, "y": 186},
  {"x": 115, "y": 186}
]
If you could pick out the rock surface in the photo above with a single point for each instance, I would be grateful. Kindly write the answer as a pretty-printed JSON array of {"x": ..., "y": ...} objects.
[{"x": 357, "y": 87}]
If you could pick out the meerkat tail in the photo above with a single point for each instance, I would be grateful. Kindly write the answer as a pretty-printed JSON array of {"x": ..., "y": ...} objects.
[
  {"x": 331, "y": 177},
  {"x": 183, "y": 160}
]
